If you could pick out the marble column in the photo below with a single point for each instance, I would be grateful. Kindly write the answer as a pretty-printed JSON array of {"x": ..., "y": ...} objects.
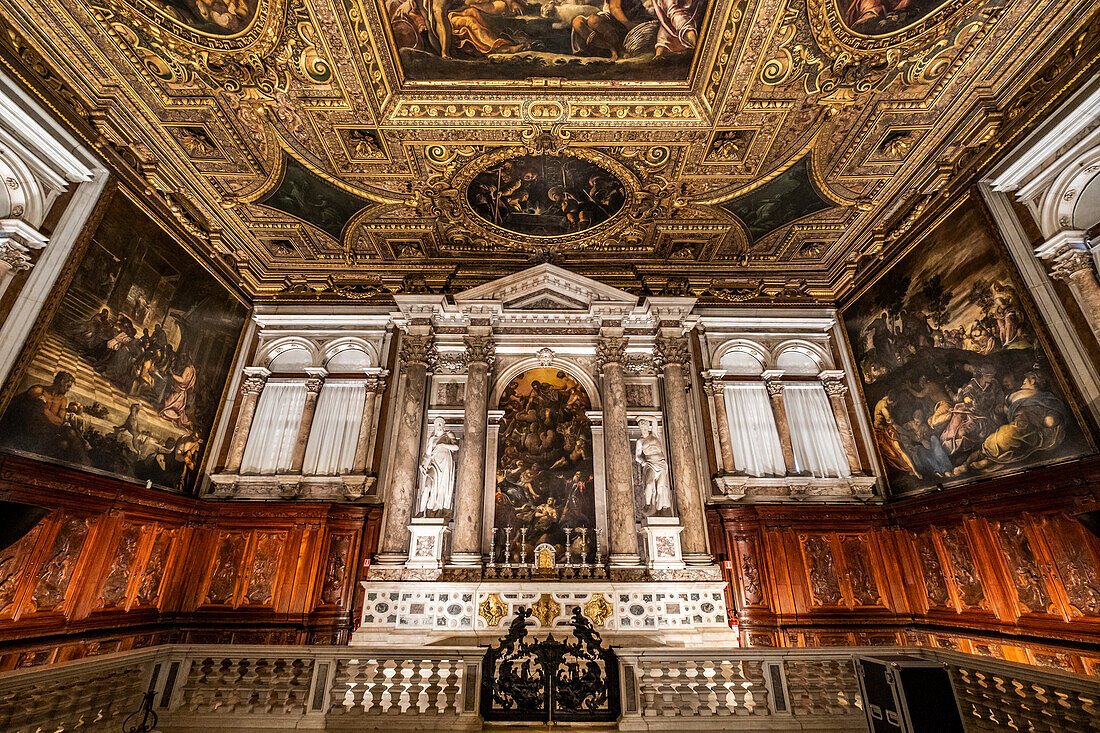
[
  {"x": 13, "y": 260},
  {"x": 314, "y": 382},
  {"x": 376, "y": 385},
  {"x": 716, "y": 389},
  {"x": 417, "y": 350},
  {"x": 466, "y": 542},
  {"x": 773, "y": 381},
  {"x": 837, "y": 389},
  {"x": 610, "y": 350},
  {"x": 254, "y": 380},
  {"x": 1074, "y": 267},
  {"x": 674, "y": 357}
]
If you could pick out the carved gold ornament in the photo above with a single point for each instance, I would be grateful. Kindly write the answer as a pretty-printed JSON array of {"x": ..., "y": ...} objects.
[
  {"x": 492, "y": 609},
  {"x": 546, "y": 609},
  {"x": 598, "y": 610}
]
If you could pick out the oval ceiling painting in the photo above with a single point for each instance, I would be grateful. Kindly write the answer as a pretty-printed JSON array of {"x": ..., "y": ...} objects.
[
  {"x": 545, "y": 195},
  {"x": 211, "y": 17},
  {"x": 880, "y": 17}
]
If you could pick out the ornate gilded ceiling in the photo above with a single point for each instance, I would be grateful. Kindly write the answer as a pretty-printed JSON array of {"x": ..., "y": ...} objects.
[{"x": 737, "y": 149}]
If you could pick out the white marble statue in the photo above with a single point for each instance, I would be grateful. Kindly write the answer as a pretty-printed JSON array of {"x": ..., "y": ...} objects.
[
  {"x": 650, "y": 454},
  {"x": 437, "y": 472}
]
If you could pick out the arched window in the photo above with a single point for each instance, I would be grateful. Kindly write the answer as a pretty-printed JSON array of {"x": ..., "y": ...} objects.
[
  {"x": 753, "y": 435},
  {"x": 278, "y": 415}
]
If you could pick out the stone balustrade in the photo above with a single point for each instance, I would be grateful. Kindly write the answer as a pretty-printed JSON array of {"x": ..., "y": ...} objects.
[{"x": 341, "y": 688}]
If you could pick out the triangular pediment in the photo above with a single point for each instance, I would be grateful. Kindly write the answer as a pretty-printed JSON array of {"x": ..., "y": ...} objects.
[{"x": 547, "y": 287}]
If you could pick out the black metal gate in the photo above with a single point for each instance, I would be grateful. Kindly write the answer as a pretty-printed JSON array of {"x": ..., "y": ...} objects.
[{"x": 541, "y": 681}]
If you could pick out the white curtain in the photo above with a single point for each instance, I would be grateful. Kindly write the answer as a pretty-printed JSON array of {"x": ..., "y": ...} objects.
[
  {"x": 335, "y": 428},
  {"x": 756, "y": 449},
  {"x": 274, "y": 427},
  {"x": 814, "y": 435}
]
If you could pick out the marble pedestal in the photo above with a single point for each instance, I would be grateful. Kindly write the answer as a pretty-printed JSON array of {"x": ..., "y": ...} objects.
[
  {"x": 426, "y": 543},
  {"x": 662, "y": 539}
]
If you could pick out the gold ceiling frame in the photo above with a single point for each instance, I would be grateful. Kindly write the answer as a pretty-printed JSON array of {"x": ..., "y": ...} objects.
[{"x": 479, "y": 227}]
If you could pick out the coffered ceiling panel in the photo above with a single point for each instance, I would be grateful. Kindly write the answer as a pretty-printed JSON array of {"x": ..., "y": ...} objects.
[{"x": 736, "y": 149}]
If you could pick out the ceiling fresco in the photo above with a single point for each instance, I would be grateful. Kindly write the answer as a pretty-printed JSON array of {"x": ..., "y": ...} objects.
[{"x": 740, "y": 150}]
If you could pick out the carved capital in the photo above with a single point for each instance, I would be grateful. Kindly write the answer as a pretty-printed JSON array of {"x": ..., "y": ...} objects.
[
  {"x": 714, "y": 386},
  {"x": 376, "y": 383},
  {"x": 672, "y": 350},
  {"x": 417, "y": 349},
  {"x": 255, "y": 379},
  {"x": 774, "y": 385},
  {"x": 480, "y": 349},
  {"x": 14, "y": 256},
  {"x": 610, "y": 350},
  {"x": 315, "y": 380},
  {"x": 834, "y": 386},
  {"x": 1070, "y": 264}
]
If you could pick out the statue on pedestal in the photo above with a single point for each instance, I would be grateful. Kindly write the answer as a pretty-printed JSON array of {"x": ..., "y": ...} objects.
[
  {"x": 650, "y": 454},
  {"x": 437, "y": 472}
]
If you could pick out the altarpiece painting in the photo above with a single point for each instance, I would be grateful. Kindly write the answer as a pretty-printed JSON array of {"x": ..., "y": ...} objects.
[
  {"x": 128, "y": 376},
  {"x": 544, "y": 478},
  {"x": 958, "y": 380}
]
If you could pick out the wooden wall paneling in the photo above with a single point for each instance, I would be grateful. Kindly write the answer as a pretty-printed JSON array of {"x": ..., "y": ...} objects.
[
  {"x": 17, "y": 562},
  {"x": 821, "y": 567},
  {"x": 864, "y": 580},
  {"x": 119, "y": 555},
  {"x": 224, "y": 574},
  {"x": 1032, "y": 591},
  {"x": 164, "y": 549},
  {"x": 998, "y": 587},
  {"x": 1075, "y": 567},
  {"x": 52, "y": 585}
]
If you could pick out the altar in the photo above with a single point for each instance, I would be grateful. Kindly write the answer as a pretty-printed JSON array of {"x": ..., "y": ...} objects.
[{"x": 544, "y": 456}]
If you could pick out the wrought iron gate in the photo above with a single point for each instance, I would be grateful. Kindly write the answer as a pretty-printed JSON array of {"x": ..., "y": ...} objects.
[{"x": 570, "y": 681}]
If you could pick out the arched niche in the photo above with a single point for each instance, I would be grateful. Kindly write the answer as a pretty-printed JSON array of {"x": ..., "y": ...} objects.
[
  {"x": 348, "y": 357},
  {"x": 801, "y": 358},
  {"x": 740, "y": 362},
  {"x": 1086, "y": 212},
  {"x": 290, "y": 361},
  {"x": 544, "y": 474},
  {"x": 573, "y": 370}
]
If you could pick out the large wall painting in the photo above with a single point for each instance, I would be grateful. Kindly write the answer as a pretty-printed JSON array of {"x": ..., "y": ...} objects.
[
  {"x": 128, "y": 376},
  {"x": 544, "y": 465},
  {"x": 959, "y": 384},
  {"x": 513, "y": 40},
  {"x": 545, "y": 195}
]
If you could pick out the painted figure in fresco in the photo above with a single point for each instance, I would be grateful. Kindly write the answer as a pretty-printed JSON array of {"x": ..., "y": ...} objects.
[
  {"x": 680, "y": 23},
  {"x": 437, "y": 471},
  {"x": 1036, "y": 422},
  {"x": 650, "y": 454},
  {"x": 36, "y": 421},
  {"x": 888, "y": 437},
  {"x": 604, "y": 33},
  {"x": 181, "y": 379},
  {"x": 219, "y": 17}
]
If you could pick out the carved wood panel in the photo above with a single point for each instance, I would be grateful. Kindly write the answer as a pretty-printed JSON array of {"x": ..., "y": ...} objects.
[
  {"x": 117, "y": 583},
  {"x": 222, "y": 587},
  {"x": 52, "y": 579},
  {"x": 820, "y": 555},
  {"x": 936, "y": 591},
  {"x": 963, "y": 572},
  {"x": 334, "y": 583},
  {"x": 749, "y": 573},
  {"x": 1076, "y": 559},
  {"x": 1022, "y": 564},
  {"x": 861, "y": 574},
  {"x": 266, "y": 554}
]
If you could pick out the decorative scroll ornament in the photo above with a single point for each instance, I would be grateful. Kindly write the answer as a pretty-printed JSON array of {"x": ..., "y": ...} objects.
[
  {"x": 546, "y": 609},
  {"x": 15, "y": 257},
  {"x": 816, "y": 45},
  {"x": 278, "y": 47}
]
